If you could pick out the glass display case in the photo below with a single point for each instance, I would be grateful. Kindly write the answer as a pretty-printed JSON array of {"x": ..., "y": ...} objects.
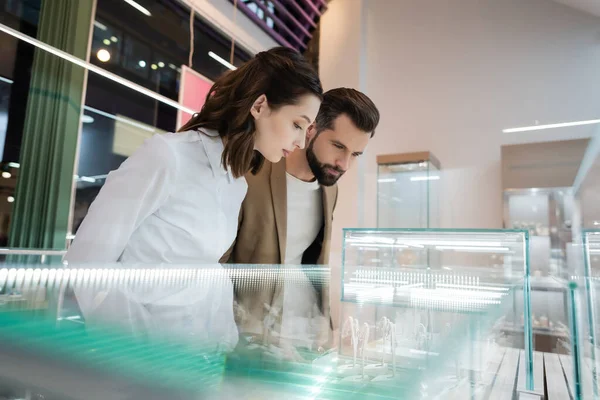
[
  {"x": 590, "y": 315},
  {"x": 433, "y": 306},
  {"x": 408, "y": 187}
]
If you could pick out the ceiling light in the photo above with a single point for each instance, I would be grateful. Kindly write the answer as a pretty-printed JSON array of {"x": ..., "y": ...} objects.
[
  {"x": 114, "y": 39},
  {"x": 221, "y": 60},
  {"x": 6, "y": 174},
  {"x": 94, "y": 68},
  {"x": 384, "y": 180},
  {"x": 172, "y": 66},
  {"x": 9, "y": 81},
  {"x": 154, "y": 67},
  {"x": 142, "y": 63},
  {"x": 103, "y": 55},
  {"x": 100, "y": 25},
  {"x": 14, "y": 165},
  {"x": 138, "y": 7},
  {"x": 161, "y": 64},
  {"x": 10, "y": 199},
  {"x": 87, "y": 119},
  {"x": 550, "y": 126},
  {"x": 106, "y": 42}
]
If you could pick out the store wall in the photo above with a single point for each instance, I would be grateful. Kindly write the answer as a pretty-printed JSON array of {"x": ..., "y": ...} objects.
[{"x": 448, "y": 77}]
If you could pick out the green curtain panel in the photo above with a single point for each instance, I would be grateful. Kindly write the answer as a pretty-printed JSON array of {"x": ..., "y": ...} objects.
[{"x": 42, "y": 201}]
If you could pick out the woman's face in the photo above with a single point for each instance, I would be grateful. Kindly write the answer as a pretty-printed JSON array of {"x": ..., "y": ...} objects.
[{"x": 281, "y": 131}]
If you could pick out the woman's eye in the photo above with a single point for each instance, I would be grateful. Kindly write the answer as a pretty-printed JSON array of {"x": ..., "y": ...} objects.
[{"x": 297, "y": 126}]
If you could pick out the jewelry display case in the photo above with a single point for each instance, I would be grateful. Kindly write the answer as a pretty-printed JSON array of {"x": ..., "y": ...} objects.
[
  {"x": 431, "y": 306},
  {"x": 408, "y": 187}
]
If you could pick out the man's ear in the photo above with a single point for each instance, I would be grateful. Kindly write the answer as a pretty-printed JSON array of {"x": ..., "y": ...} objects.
[{"x": 311, "y": 132}]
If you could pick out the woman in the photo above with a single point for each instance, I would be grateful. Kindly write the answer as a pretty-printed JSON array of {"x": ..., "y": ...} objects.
[{"x": 177, "y": 198}]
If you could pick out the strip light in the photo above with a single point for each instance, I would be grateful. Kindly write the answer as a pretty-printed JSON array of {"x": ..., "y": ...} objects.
[
  {"x": 222, "y": 60},
  {"x": 138, "y": 7},
  {"x": 9, "y": 81},
  {"x": 95, "y": 69},
  {"x": 550, "y": 126}
]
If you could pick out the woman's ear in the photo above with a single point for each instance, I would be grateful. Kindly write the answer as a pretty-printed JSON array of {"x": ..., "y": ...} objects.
[{"x": 259, "y": 107}]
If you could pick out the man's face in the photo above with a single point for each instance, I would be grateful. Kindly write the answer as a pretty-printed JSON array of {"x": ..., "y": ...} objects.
[{"x": 333, "y": 151}]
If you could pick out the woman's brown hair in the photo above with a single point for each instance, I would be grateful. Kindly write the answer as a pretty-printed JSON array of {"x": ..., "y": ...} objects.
[{"x": 283, "y": 75}]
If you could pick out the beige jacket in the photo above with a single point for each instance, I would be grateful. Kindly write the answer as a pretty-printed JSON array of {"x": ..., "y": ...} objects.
[{"x": 261, "y": 239}]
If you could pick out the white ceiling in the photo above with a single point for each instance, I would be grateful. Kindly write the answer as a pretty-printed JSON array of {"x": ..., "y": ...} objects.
[{"x": 589, "y": 6}]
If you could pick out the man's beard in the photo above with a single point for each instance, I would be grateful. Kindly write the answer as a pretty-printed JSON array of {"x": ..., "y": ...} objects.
[{"x": 319, "y": 169}]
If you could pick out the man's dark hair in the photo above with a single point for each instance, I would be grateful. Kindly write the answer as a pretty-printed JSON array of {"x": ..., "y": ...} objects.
[{"x": 356, "y": 105}]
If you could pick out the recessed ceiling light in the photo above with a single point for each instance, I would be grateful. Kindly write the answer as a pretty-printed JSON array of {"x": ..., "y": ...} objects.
[{"x": 103, "y": 55}]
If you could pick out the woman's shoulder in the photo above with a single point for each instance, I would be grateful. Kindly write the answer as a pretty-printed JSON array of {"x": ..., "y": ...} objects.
[{"x": 190, "y": 136}]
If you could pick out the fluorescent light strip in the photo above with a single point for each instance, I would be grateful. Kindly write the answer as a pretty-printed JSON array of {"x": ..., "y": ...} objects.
[
  {"x": 9, "y": 81},
  {"x": 550, "y": 126},
  {"x": 383, "y": 180},
  {"x": 95, "y": 69},
  {"x": 138, "y": 7},
  {"x": 120, "y": 119},
  {"x": 425, "y": 178},
  {"x": 221, "y": 60}
]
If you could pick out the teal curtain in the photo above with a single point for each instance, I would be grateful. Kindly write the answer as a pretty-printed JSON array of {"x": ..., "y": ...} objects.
[{"x": 42, "y": 199}]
